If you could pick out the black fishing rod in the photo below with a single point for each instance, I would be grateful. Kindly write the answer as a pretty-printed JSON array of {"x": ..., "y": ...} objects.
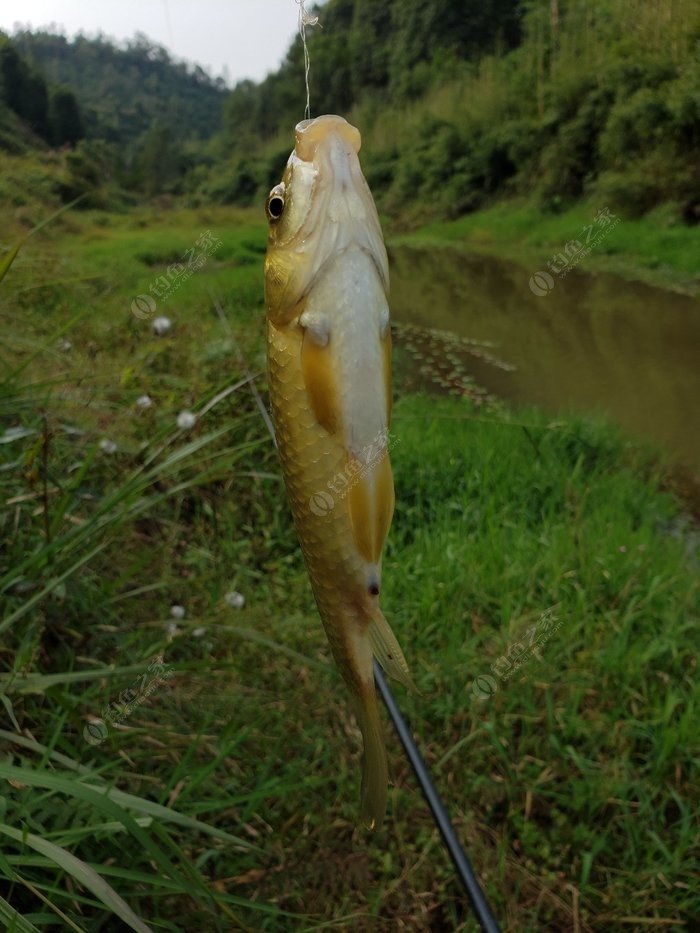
[{"x": 481, "y": 907}]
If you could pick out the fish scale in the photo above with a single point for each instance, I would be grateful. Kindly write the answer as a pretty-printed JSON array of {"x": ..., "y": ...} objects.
[
  {"x": 328, "y": 347},
  {"x": 310, "y": 458}
]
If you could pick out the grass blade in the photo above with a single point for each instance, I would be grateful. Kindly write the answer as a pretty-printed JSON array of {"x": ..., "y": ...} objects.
[
  {"x": 14, "y": 922},
  {"x": 101, "y": 799},
  {"x": 120, "y": 797},
  {"x": 39, "y": 683},
  {"x": 7, "y": 260},
  {"x": 12, "y": 255},
  {"x": 51, "y": 585},
  {"x": 82, "y": 873}
]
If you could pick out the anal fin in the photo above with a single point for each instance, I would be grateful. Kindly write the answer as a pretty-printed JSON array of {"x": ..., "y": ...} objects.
[
  {"x": 387, "y": 650},
  {"x": 371, "y": 504}
]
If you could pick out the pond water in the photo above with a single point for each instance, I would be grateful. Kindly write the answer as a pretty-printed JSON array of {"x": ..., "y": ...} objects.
[{"x": 591, "y": 342}]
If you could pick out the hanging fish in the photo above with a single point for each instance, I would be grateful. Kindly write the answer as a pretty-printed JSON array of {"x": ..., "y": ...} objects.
[{"x": 329, "y": 368}]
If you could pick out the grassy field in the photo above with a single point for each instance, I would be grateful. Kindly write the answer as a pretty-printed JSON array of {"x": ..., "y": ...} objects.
[
  {"x": 658, "y": 249},
  {"x": 543, "y": 588}
]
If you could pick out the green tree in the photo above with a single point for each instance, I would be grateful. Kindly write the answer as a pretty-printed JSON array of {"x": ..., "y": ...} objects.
[
  {"x": 23, "y": 89},
  {"x": 157, "y": 166},
  {"x": 13, "y": 72},
  {"x": 467, "y": 29},
  {"x": 64, "y": 117},
  {"x": 370, "y": 44},
  {"x": 36, "y": 104}
]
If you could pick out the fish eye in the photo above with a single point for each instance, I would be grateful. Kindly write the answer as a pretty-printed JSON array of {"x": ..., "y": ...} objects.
[
  {"x": 275, "y": 203},
  {"x": 275, "y": 206}
]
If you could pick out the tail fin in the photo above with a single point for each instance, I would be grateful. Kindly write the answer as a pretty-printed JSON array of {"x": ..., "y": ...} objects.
[
  {"x": 376, "y": 641},
  {"x": 375, "y": 774}
]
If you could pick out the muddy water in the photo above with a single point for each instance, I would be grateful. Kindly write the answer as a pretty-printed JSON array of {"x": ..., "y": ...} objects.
[{"x": 592, "y": 343}]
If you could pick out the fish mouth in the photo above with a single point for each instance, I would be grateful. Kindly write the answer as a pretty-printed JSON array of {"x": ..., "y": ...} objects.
[{"x": 312, "y": 134}]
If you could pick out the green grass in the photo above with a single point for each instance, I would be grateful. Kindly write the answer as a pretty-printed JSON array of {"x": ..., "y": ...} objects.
[
  {"x": 572, "y": 785},
  {"x": 658, "y": 248}
]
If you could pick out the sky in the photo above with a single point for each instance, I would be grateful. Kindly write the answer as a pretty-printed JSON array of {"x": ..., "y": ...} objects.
[{"x": 234, "y": 38}]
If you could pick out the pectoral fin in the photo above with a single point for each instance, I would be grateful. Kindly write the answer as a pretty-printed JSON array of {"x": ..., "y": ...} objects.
[{"x": 317, "y": 368}]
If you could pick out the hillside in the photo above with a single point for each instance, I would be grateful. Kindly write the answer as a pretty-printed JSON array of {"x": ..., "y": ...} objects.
[
  {"x": 33, "y": 111},
  {"x": 461, "y": 103},
  {"x": 123, "y": 91},
  {"x": 137, "y": 122}
]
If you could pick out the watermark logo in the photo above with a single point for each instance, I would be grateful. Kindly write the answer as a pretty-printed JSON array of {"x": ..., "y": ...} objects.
[
  {"x": 542, "y": 283},
  {"x": 143, "y": 306},
  {"x": 322, "y": 503},
  {"x": 193, "y": 259},
  {"x": 97, "y": 730},
  {"x": 485, "y": 685}
]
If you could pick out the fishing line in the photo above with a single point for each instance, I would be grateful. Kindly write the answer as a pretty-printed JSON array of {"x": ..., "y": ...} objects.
[
  {"x": 306, "y": 19},
  {"x": 168, "y": 24}
]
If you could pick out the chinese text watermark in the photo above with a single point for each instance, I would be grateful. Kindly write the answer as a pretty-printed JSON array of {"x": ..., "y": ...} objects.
[
  {"x": 193, "y": 259},
  {"x": 519, "y": 653},
  {"x": 541, "y": 283},
  {"x": 96, "y": 731},
  {"x": 322, "y": 502}
]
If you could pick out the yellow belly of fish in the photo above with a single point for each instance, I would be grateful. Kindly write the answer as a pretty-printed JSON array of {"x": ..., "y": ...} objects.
[{"x": 311, "y": 459}]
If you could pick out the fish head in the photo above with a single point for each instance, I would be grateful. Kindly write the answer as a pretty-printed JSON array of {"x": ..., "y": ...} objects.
[{"x": 321, "y": 208}]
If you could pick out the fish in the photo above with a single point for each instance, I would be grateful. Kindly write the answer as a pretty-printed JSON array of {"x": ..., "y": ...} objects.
[{"x": 329, "y": 379}]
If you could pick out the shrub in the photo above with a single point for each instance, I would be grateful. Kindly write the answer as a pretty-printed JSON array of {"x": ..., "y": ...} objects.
[
  {"x": 634, "y": 125},
  {"x": 641, "y": 183},
  {"x": 380, "y": 169},
  {"x": 571, "y": 159},
  {"x": 236, "y": 183}
]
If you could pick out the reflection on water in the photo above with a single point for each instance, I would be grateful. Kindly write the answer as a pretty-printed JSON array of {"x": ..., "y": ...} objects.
[
  {"x": 442, "y": 359},
  {"x": 594, "y": 343}
]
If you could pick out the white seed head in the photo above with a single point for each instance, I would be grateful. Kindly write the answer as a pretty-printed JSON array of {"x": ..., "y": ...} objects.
[
  {"x": 144, "y": 401},
  {"x": 177, "y": 612},
  {"x": 107, "y": 446},
  {"x": 235, "y": 600},
  {"x": 161, "y": 325},
  {"x": 186, "y": 420}
]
